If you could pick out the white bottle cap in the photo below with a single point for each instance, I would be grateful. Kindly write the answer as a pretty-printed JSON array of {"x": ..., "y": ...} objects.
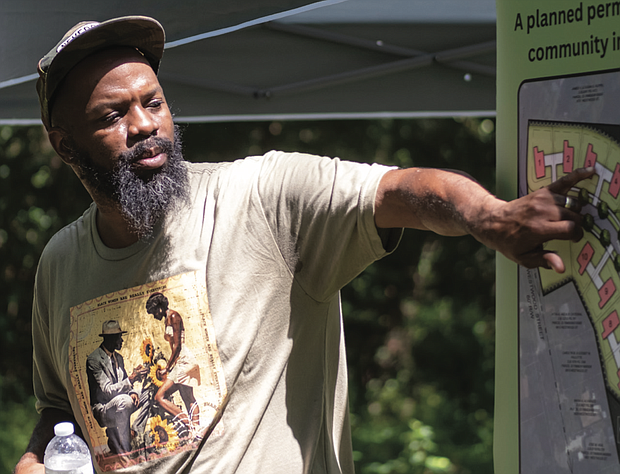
[{"x": 63, "y": 429}]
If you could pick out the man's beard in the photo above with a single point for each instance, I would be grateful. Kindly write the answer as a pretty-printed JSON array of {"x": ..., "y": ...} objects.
[{"x": 142, "y": 201}]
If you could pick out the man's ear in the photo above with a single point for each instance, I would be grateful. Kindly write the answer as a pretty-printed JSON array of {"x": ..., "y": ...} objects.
[{"x": 61, "y": 143}]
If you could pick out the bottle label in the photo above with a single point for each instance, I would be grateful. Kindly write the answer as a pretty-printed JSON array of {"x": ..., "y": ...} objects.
[{"x": 70, "y": 468}]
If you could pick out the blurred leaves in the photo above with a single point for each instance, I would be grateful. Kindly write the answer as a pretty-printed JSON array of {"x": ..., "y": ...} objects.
[
  {"x": 419, "y": 323},
  {"x": 31, "y": 211},
  {"x": 17, "y": 419}
]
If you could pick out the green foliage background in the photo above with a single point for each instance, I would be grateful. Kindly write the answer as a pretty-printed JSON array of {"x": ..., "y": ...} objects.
[{"x": 419, "y": 324}]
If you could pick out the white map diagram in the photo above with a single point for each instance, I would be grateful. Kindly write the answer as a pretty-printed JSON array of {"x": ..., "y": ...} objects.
[{"x": 569, "y": 337}]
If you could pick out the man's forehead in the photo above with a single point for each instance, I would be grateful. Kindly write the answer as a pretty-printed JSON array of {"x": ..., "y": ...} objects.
[{"x": 81, "y": 83}]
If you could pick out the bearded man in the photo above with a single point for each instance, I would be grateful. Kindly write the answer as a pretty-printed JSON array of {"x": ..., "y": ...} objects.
[{"x": 277, "y": 236}]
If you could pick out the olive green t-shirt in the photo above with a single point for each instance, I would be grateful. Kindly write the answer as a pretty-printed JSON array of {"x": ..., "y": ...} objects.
[{"x": 253, "y": 268}]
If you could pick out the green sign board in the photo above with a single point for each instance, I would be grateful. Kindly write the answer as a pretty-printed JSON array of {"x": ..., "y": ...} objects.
[{"x": 558, "y": 335}]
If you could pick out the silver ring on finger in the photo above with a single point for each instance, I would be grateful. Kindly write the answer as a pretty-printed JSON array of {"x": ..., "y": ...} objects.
[{"x": 570, "y": 203}]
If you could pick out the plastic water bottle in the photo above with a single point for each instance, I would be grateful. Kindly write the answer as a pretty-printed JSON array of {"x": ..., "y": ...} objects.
[{"x": 67, "y": 453}]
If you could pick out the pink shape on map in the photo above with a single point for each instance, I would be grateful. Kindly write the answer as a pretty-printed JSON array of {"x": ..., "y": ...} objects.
[
  {"x": 539, "y": 162},
  {"x": 610, "y": 324},
  {"x": 590, "y": 157},
  {"x": 614, "y": 186},
  {"x": 585, "y": 256},
  {"x": 569, "y": 154},
  {"x": 606, "y": 292}
]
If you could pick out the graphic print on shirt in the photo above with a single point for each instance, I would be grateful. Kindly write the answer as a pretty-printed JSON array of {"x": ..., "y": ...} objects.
[{"x": 145, "y": 366}]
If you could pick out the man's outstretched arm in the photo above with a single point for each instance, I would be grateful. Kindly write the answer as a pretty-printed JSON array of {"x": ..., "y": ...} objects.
[
  {"x": 32, "y": 461},
  {"x": 450, "y": 203}
]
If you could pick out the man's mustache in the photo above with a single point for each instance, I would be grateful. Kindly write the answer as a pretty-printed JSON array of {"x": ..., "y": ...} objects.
[{"x": 135, "y": 153}]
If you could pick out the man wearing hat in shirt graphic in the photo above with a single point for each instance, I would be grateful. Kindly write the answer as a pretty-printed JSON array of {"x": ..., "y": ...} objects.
[{"x": 112, "y": 396}]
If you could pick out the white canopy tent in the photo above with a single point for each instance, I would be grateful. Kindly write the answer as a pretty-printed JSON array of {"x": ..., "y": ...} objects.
[{"x": 282, "y": 59}]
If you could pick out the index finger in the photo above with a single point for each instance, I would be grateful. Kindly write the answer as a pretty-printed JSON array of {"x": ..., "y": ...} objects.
[{"x": 565, "y": 183}]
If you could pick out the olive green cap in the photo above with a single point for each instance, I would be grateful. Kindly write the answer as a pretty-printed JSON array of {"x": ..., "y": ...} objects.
[{"x": 87, "y": 37}]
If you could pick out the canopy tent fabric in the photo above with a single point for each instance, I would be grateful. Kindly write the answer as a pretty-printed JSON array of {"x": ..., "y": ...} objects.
[{"x": 277, "y": 59}]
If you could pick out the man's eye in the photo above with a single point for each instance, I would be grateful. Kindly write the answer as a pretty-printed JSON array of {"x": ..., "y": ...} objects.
[
  {"x": 156, "y": 103},
  {"x": 111, "y": 117}
]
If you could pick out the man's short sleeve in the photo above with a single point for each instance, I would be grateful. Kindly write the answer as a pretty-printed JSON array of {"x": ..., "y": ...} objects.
[
  {"x": 49, "y": 390},
  {"x": 323, "y": 219}
]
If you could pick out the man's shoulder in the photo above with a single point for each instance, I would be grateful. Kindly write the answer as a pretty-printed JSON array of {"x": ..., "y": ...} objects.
[
  {"x": 94, "y": 357},
  {"x": 96, "y": 353},
  {"x": 206, "y": 168},
  {"x": 252, "y": 161},
  {"x": 242, "y": 171},
  {"x": 64, "y": 242}
]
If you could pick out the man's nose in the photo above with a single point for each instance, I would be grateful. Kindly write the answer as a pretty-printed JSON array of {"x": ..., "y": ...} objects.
[{"x": 142, "y": 122}]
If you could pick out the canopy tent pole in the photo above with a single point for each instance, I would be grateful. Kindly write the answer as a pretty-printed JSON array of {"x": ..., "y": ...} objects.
[
  {"x": 382, "y": 47},
  {"x": 448, "y": 57}
]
